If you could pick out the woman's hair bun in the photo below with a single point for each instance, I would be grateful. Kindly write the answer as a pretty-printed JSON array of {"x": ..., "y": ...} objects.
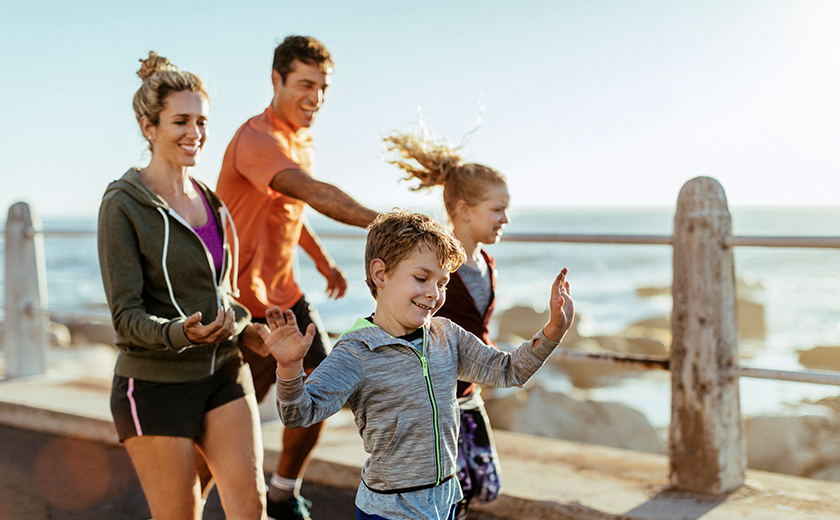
[{"x": 153, "y": 64}]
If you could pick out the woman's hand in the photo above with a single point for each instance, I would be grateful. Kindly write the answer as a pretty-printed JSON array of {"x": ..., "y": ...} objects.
[
  {"x": 285, "y": 341},
  {"x": 562, "y": 308},
  {"x": 219, "y": 330}
]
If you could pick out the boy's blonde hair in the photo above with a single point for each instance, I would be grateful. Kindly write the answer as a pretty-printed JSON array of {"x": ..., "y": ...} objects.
[{"x": 395, "y": 234}]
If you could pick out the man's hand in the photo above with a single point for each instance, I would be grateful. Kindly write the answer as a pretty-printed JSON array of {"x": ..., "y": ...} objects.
[
  {"x": 285, "y": 341},
  {"x": 219, "y": 330},
  {"x": 250, "y": 338},
  {"x": 562, "y": 308},
  {"x": 336, "y": 283}
]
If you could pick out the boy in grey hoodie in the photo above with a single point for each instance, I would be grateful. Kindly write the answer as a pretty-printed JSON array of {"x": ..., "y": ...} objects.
[{"x": 398, "y": 369}]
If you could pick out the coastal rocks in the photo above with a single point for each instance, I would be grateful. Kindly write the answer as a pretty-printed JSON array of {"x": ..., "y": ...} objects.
[
  {"x": 587, "y": 374},
  {"x": 647, "y": 337},
  {"x": 59, "y": 335},
  {"x": 751, "y": 320},
  {"x": 86, "y": 332},
  {"x": 537, "y": 411},
  {"x": 519, "y": 323},
  {"x": 804, "y": 445},
  {"x": 820, "y": 358}
]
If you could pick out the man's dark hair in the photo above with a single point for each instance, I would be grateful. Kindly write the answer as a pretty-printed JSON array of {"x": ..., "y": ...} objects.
[{"x": 305, "y": 49}]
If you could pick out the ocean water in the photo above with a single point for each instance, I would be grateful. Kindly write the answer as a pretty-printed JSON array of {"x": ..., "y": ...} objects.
[{"x": 800, "y": 288}]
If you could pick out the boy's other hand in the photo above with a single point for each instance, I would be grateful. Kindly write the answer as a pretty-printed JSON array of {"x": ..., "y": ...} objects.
[
  {"x": 285, "y": 341},
  {"x": 562, "y": 308}
]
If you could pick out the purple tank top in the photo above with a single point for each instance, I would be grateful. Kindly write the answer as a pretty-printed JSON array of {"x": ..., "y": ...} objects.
[{"x": 209, "y": 234}]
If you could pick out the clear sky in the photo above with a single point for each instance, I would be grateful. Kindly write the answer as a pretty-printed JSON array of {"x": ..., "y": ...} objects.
[{"x": 582, "y": 103}]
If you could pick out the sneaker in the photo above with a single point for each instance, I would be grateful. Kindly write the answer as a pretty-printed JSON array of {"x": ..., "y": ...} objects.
[{"x": 295, "y": 508}]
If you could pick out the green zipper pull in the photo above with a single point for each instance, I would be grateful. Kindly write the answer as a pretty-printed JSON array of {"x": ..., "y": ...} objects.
[{"x": 425, "y": 366}]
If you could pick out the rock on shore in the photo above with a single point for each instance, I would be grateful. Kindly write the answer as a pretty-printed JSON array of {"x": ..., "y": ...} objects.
[{"x": 537, "y": 411}]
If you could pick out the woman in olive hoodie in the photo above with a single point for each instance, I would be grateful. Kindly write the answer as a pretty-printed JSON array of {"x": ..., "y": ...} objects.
[{"x": 179, "y": 381}]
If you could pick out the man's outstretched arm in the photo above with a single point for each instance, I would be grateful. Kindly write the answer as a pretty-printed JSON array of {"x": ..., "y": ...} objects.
[{"x": 322, "y": 197}]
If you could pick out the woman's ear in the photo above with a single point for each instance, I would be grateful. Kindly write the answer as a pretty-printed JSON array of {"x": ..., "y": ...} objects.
[
  {"x": 147, "y": 127},
  {"x": 377, "y": 272},
  {"x": 462, "y": 210}
]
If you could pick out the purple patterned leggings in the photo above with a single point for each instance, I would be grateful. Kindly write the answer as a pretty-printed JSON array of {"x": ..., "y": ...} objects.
[{"x": 478, "y": 464}]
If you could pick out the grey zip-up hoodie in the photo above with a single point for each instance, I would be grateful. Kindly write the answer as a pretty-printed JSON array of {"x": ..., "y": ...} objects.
[
  {"x": 157, "y": 272},
  {"x": 403, "y": 399}
]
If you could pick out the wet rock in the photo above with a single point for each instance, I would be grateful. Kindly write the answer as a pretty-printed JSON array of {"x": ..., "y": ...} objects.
[
  {"x": 587, "y": 374},
  {"x": 650, "y": 292},
  {"x": 537, "y": 411},
  {"x": 751, "y": 323},
  {"x": 795, "y": 445},
  {"x": 751, "y": 320},
  {"x": 831, "y": 473},
  {"x": 86, "y": 333},
  {"x": 520, "y": 323},
  {"x": 58, "y": 334},
  {"x": 655, "y": 322},
  {"x": 820, "y": 358}
]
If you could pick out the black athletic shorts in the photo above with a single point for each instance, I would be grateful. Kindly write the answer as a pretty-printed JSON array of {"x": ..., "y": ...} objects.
[
  {"x": 175, "y": 409},
  {"x": 264, "y": 369}
]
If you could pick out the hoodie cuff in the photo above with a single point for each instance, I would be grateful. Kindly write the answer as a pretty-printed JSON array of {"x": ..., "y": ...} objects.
[
  {"x": 290, "y": 390},
  {"x": 544, "y": 343},
  {"x": 178, "y": 339}
]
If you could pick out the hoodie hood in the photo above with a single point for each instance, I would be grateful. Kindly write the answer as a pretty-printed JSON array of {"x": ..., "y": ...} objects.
[
  {"x": 372, "y": 336},
  {"x": 131, "y": 184}
]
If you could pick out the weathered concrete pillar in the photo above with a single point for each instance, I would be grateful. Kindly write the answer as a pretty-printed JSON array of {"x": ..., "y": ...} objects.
[
  {"x": 24, "y": 328},
  {"x": 706, "y": 439}
]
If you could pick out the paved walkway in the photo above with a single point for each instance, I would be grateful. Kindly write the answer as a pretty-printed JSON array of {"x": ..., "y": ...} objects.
[
  {"x": 45, "y": 476},
  {"x": 543, "y": 478}
]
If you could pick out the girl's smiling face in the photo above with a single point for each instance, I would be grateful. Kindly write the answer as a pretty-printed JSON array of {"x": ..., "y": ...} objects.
[
  {"x": 487, "y": 219},
  {"x": 410, "y": 292}
]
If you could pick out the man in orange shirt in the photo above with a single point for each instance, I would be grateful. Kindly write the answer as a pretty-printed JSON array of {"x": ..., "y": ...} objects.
[{"x": 265, "y": 182}]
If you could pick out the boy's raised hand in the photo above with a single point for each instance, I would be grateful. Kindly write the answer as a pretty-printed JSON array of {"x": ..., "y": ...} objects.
[
  {"x": 285, "y": 341},
  {"x": 562, "y": 308}
]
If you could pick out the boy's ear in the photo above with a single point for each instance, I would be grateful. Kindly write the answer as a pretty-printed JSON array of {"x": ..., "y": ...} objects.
[{"x": 377, "y": 272}]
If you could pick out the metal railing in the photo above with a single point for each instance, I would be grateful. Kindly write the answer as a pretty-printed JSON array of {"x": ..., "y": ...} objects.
[{"x": 706, "y": 444}]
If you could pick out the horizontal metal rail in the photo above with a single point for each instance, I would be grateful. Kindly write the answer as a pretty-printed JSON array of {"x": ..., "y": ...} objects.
[
  {"x": 755, "y": 241},
  {"x": 613, "y": 358},
  {"x": 91, "y": 317},
  {"x": 729, "y": 241},
  {"x": 588, "y": 239},
  {"x": 797, "y": 376},
  {"x": 68, "y": 233}
]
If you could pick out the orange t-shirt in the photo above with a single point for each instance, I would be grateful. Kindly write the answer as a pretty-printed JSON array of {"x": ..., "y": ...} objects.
[{"x": 268, "y": 223}]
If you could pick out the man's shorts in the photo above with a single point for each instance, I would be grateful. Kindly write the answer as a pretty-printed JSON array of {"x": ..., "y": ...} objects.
[
  {"x": 264, "y": 369},
  {"x": 175, "y": 409}
]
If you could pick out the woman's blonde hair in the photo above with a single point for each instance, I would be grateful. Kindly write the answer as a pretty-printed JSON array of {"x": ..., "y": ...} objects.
[
  {"x": 438, "y": 163},
  {"x": 161, "y": 78}
]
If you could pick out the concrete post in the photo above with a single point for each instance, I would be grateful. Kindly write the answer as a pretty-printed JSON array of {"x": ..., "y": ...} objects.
[
  {"x": 25, "y": 325},
  {"x": 706, "y": 444}
]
